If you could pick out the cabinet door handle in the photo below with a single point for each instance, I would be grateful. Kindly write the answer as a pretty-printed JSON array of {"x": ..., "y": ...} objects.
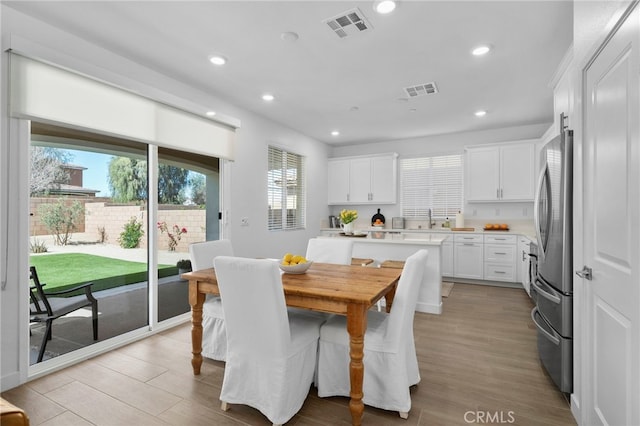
[
  {"x": 497, "y": 192},
  {"x": 499, "y": 272},
  {"x": 501, "y": 195},
  {"x": 348, "y": 197},
  {"x": 501, "y": 253},
  {"x": 499, "y": 239},
  {"x": 467, "y": 244}
]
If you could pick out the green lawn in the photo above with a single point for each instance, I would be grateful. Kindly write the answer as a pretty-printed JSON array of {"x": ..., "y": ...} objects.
[{"x": 66, "y": 270}]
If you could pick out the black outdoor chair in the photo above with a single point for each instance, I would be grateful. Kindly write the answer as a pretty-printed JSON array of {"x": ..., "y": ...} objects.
[{"x": 46, "y": 307}]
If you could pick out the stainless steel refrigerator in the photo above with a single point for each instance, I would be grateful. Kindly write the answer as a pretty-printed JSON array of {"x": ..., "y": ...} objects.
[{"x": 552, "y": 289}]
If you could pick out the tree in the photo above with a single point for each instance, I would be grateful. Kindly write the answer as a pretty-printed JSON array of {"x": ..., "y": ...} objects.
[
  {"x": 61, "y": 219},
  {"x": 171, "y": 183},
  {"x": 127, "y": 179},
  {"x": 198, "y": 185},
  {"x": 47, "y": 172}
]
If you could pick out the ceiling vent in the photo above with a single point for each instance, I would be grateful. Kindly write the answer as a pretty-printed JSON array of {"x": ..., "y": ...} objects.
[
  {"x": 348, "y": 23},
  {"x": 421, "y": 90}
]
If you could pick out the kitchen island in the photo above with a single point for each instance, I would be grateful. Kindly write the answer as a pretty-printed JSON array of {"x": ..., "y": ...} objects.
[{"x": 381, "y": 246}]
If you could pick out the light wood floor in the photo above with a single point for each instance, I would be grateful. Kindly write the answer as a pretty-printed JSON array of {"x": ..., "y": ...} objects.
[{"x": 478, "y": 361}]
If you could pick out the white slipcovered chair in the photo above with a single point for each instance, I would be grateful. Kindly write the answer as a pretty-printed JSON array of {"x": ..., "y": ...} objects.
[
  {"x": 271, "y": 356},
  {"x": 390, "y": 362},
  {"x": 214, "y": 337},
  {"x": 330, "y": 250}
]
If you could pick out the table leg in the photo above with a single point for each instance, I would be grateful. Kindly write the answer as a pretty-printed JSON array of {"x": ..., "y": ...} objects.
[
  {"x": 196, "y": 300},
  {"x": 356, "y": 326},
  {"x": 389, "y": 299}
]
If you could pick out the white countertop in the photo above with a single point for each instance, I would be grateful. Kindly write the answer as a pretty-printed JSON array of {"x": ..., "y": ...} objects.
[
  {"x": 529, "y": 234},
  {"x": 396, "y": 238}
]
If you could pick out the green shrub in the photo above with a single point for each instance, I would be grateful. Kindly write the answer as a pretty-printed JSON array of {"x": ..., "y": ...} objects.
[
  {"x": 61, "y": 219},
  {"x": 130, "y": 237},
  {"x": 38, "y": 246}
]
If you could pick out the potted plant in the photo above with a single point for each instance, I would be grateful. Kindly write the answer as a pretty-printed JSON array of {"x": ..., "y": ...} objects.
[{"x": 184, "y": 265}]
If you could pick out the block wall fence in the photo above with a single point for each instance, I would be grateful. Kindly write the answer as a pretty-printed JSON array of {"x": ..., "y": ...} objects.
[{"x": 112, "y": 218}]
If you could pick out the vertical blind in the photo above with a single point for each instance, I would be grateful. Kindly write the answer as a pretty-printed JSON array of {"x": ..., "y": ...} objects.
[
  {"x": 434, "y": 183},
  {"x": 286, "y": 190}
]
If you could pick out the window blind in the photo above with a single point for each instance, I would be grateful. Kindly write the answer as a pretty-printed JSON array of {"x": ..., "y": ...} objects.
[
  {"x": 286, "y": 190},
  {"x": 47, "y": 93},
  {"x": 434, "y": 183}
]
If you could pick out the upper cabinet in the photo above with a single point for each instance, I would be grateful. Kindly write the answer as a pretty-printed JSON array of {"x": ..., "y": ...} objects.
[
  {"x": 363, "y": 180},
  {"x": 500, "y": 172}
]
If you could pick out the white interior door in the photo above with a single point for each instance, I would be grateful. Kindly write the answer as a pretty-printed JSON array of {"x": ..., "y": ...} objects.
[{"x": 611, "y": 349}]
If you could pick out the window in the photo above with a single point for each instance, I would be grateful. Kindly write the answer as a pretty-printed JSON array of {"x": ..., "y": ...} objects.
[
  {"x": 431, "y": 183},
  {"x": 286, "y": 190}
]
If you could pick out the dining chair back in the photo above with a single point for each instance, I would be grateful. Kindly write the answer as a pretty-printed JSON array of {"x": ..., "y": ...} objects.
[
  {"x": 45, "y": 307},
  {"x": 390, "y": 361},
  {"x": 330, "y": 250},
  {"x": 271, "y": 358},
  {"x": 214, "y": 334},
  {"x": 202, "y": 254}
]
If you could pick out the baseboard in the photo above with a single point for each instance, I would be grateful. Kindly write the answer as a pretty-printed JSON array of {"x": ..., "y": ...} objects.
[
  {"x": 429, "y": 308},
  {"x": 10, "y": 381},
  {"x": 483, "y": 282}
]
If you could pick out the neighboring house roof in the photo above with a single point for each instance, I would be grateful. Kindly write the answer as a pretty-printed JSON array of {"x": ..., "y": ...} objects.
[{"x": 65, "y": 189}]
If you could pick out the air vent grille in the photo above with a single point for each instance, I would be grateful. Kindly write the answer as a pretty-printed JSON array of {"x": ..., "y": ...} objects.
[
  {"x": 348, "y": 23},
  {"x": 421, "y": 90}
]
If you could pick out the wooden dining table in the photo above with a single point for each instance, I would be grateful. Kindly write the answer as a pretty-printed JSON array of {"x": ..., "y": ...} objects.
[{"x": 349, "y": 290}]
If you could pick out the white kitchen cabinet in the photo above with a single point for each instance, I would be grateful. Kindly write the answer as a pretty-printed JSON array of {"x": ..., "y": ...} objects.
[
  {"x": 447, "y": 257},
  {"x": 363, "y": 180},
  {"x": 500, "y": 172},
  {"x": 468, "y": 256},
  {"x": 523, "y": 263},
  {"x": 338, "y": 183},
  {"x": 500, "y": 258}
]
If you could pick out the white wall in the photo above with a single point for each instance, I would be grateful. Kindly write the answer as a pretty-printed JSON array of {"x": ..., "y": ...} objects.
[
  {"x": 247, "y": 174},
  {"x": 452, "y": 143}
]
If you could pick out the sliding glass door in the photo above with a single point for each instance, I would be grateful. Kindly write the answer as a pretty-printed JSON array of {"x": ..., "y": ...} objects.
[{"x": 89, "y": 222}]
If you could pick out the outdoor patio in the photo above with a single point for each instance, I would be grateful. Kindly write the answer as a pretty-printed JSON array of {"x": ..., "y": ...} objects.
[{"x": 121, "y": 309}]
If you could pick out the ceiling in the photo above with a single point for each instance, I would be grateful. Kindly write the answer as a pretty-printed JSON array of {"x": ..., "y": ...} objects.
[{"x": 355, "y": 85}]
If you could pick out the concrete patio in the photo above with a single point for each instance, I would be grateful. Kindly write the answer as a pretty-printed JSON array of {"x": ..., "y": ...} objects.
[{"x": 121, "y": 309}]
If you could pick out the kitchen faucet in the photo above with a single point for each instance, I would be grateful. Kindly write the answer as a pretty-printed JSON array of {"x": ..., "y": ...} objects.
[{"x": 431, "y": 223}]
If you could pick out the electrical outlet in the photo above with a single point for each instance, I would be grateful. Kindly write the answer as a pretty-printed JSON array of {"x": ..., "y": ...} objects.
[
  {"x": 244, "y": 221},
  {"x": 525, "y": 211},
  {"x": 497, "y": 212},
  {"x": 475, "y": 212}
]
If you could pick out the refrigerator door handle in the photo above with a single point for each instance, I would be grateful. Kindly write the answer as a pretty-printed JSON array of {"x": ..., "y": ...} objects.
[
  {"x": 536, "y": 213},
  {"x": 550, "y": 297},
  {"x": 541, "y": 328}
]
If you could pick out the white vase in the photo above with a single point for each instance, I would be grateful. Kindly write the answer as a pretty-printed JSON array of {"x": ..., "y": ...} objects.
[{"x": 347, "y": 228}]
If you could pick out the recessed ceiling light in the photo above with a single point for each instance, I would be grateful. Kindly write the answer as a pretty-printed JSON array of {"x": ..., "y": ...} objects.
[
  {"x": 335, "y": 133},
  {"x": 268, "y": 97},
  {"x": 211, "y": 113},
  {"x": 289, "y": 36},
  {"x": 481, "y": 50},
  {"x": 384, "y": 6},
  {"x": 412, "y": 110},
  {"x": 480, "y": 113},
  {"x": 218, "y": 60},
  {"x": 354, "y": 108}
]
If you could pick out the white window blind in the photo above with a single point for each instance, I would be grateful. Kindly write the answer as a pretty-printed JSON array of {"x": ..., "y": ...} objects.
[
  {"x": 434, "y": 183},
  {"x": 286, "y": 190}
]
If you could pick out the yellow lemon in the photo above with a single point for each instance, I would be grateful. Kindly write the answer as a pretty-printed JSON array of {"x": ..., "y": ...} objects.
[{"x": 287, "y": 257}]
